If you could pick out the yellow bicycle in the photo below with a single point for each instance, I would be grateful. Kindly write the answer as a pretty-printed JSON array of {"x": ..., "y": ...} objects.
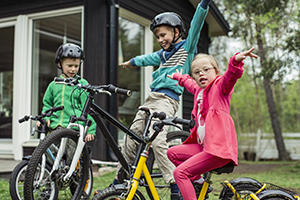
[{"x": 239, "y": 189}]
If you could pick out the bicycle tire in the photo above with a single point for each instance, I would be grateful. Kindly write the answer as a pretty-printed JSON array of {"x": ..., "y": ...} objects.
[
  {"x": 163, "y": 189},
  {"x": 52, "y": 142},
  {"x": 112, "y": 193},
  {"x": 16, "y": 182},
  {"x": 275, "y": 195},
  {"x": 241, "y": 188}
]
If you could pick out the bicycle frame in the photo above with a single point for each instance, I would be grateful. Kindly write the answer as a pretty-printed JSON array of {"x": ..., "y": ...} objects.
[
  {"x": 142, "y": 168},
  {"x": 97, "y": 113}
]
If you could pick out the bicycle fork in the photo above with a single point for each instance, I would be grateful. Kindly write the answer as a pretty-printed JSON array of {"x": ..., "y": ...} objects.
[
  {"x": 61, "y": 151},
  {"x": 142, "y": 167}
]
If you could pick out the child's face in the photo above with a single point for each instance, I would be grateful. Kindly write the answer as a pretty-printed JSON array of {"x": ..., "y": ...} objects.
[
  {"x": 164, "y": 36},
  {"x": 70, "y": 66},
  {"x": 203, "y": 72}
]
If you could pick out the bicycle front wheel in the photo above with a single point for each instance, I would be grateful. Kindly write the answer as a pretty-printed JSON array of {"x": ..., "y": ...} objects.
[
  {"x": 163, "y": 189},
  {"x": 112, "y": 193},
  {"x": 36, "y": 182}
]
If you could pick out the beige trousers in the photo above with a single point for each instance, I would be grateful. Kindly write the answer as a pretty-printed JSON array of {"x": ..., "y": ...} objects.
[{"x": 156, "y": 102}]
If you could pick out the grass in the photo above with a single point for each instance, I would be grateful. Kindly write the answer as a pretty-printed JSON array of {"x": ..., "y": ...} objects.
[{"x": 286, "y": 175}]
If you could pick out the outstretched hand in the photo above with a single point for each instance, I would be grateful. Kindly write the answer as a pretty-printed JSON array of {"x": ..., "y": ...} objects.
[
  {"x": 241, "y": 56},
  {"x": 126, "y": 64},
  {"x": 171, "y": 76}
]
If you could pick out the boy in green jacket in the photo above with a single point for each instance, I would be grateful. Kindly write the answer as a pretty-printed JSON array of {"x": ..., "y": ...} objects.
[
  {"x": 68, "y": 58},
  {"x": 175, "y": 54}
]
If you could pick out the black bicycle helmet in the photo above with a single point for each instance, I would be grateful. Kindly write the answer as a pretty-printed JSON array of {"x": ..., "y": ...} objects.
[
  {"x": 168, "y": 18},
  {"x": 68, "y": 50}
]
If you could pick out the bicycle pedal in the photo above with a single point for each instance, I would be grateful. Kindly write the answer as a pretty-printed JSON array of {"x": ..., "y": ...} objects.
[{"x": 98, "y": 191}]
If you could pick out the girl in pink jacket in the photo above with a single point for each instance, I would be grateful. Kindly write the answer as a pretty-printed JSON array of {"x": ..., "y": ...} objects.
[{"x": 212, "y": 143}]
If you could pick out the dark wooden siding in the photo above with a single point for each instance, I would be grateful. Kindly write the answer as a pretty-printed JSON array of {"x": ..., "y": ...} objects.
[
  {"x": 96, "y": 41},
  {"x": 17, "y": 7}
]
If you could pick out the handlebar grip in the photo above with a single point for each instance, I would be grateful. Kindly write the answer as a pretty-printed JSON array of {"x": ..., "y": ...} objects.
[
  {"x": 160, "y": 115},
  {"x": 54, "y": 109},
  {"x": 57, "y": 79},
  {"x": 114, "y": 89},
  {"x": 26, "y": 118},
  {"x": 188, "y": 122}
]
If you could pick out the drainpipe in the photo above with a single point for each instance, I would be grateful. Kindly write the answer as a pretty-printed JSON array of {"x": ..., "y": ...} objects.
[{"x": 113, "y": 66}]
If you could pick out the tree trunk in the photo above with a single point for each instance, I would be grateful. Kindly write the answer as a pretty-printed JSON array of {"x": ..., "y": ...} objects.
[{"x": 282, "y": 153}]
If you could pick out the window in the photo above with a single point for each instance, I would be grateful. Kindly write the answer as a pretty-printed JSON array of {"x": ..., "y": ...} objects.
[
  {"x": 131, "y": 37},
  {"x": 48, "y": 35},
  {"x": 6, "y": 81}
]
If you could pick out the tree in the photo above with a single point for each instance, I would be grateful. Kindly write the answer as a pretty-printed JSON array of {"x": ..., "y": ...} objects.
[{"x": 263, "y": 24}]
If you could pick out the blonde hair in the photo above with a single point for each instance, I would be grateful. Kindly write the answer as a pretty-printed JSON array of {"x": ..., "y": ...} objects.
[{"x": 211, "y": 59}]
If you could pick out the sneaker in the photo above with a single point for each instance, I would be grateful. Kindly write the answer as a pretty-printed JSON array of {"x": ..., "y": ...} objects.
[{"x": 176, "y": 196}]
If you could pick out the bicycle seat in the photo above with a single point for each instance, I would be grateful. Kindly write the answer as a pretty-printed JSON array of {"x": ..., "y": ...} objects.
[{"x": 228, "y": 168}]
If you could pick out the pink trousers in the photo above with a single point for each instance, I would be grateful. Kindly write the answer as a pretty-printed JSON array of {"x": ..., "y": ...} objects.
[{"x": 191, "y": 161}]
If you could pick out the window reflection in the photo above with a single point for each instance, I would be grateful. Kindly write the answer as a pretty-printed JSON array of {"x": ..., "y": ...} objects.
[
  {"x": 48, "y": 35},
  {"x": 6, "y": 81},
  {"x": 131, "y": 44}
]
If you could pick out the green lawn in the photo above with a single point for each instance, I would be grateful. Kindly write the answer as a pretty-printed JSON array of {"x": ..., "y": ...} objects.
[{"x": 286, "y": 174}]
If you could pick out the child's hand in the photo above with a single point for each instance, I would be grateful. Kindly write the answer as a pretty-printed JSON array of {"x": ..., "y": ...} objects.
[
  {"x": 38, "y": 124},
  {"x": 171, "y": 76},
  {"x": 126, "y": 64},
  {"x": 243, "y": 55},
  {"x": 89, "y": 137}
]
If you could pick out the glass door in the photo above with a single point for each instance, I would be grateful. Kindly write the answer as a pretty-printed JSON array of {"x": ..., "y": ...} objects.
[{"x": 6, "y": 81}]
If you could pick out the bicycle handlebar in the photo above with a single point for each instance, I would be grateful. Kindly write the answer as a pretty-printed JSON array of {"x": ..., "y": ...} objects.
[
  {"x": 190, "y": 123},
  {"x": 172, "y": 121},
  {"x": 47, "y": 113},
  {"x": 25, "y": 118},
  {"x": 93, "y": 88}
]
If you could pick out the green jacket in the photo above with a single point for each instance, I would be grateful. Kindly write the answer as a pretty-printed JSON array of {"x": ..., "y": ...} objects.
[{"x": 60, "y": 95}]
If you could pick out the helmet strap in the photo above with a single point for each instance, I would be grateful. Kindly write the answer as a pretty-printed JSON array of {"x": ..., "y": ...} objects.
[{"x": 174, "y": 40}]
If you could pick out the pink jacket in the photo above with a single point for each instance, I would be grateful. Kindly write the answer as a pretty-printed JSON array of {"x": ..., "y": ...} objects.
[{"x": 220, "y": 135}]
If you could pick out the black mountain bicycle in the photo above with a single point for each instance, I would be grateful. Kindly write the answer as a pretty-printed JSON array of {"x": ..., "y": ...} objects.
[{"x": 74, "y": 157}]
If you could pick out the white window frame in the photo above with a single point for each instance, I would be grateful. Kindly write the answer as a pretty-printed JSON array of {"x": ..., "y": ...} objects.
[{"x": 23, "y": 73}]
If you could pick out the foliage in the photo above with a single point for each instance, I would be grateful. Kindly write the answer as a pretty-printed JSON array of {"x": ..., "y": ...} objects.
[
  {"x": 4, "y": 190},
  {"x": 276, "y": 25}
]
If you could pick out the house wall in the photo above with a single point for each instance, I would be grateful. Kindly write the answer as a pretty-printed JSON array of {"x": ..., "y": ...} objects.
[{"x": 100, "y": 54}]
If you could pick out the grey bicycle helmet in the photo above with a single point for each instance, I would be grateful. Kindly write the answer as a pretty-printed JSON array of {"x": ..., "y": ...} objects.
[
  {"x": 68, "y": 50},
  {"x": 168, "y": 18}
]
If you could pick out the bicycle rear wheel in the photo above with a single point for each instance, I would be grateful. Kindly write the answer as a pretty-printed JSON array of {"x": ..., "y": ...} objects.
[
  {"x": 35, "y": 185},
  {"x": 163, "y": 189},
  {"x": 243, "y": 187},
  {"x": 17, "y": 178},
  {"x": 275, "y": 195}
]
